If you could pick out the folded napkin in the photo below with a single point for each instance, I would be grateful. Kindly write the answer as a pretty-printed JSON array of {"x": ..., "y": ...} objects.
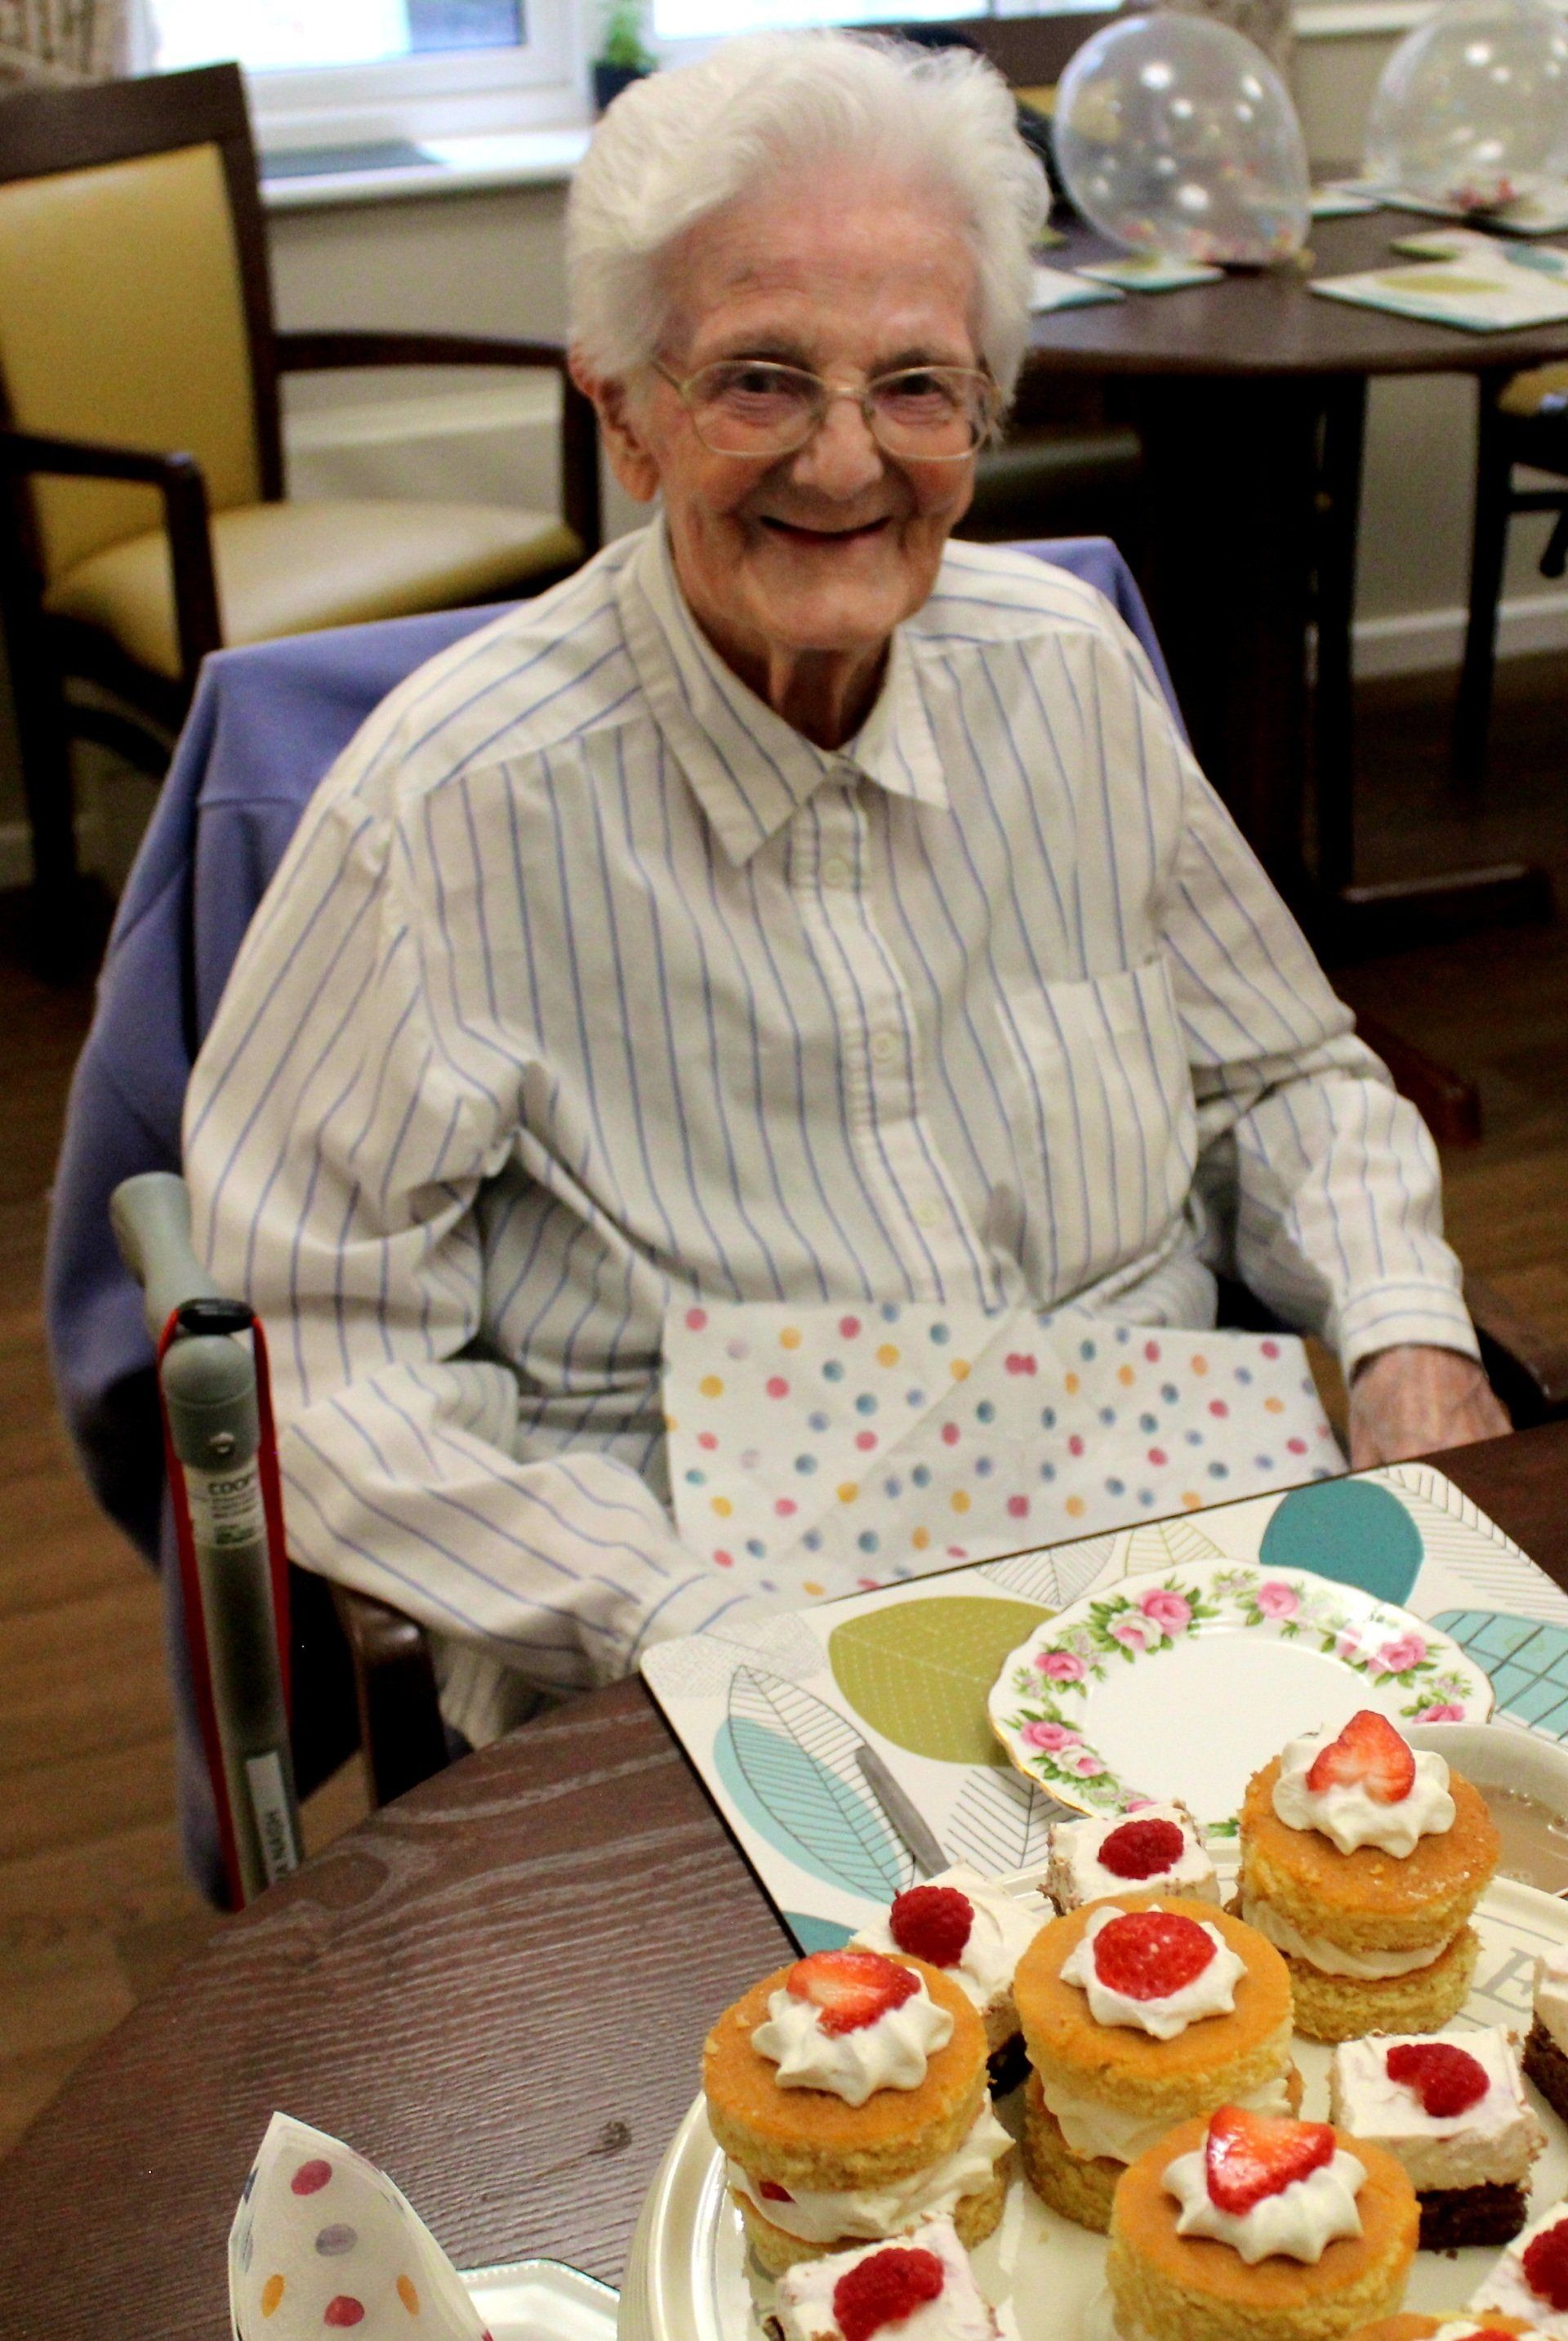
[
  {"x": 827, "y": 1450},
  {"x": 323, "y": 2243}
]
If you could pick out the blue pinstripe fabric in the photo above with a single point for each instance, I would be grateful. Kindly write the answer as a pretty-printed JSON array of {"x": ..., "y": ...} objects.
[{"x": 587, "y": 985}]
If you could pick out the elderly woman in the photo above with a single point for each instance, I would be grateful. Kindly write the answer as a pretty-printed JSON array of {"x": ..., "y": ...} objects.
[{"x": 792, "y": 908}]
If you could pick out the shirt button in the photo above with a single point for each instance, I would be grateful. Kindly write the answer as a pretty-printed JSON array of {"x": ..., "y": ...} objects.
[
  {"x": 929, "y": 1214},
  {"x": 884, "y": 1047},
  {"x": 835, "y": 871}
]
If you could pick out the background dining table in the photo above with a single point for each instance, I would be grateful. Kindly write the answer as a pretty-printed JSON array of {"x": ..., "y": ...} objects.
[
  {"x": 498, "y": 1987},
  {"x": 1249, "y": 395}
]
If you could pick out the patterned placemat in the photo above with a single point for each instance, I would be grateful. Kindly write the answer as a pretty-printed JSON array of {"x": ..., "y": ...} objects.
[{"x": 774, "y": 1714}]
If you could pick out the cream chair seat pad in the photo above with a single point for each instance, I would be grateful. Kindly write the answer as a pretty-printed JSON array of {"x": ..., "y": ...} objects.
[
  {"x": 294, "y": 568},
  {"x": 1525, "y": 392}
]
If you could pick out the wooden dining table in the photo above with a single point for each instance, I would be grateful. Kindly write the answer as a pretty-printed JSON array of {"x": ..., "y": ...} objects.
[
  {"x": 498, "y": 1987},
  {"x": 1249, "y": 395}
]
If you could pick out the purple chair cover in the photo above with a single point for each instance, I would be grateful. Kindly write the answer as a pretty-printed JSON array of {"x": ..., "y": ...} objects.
[{"x": 265, "y": 724}]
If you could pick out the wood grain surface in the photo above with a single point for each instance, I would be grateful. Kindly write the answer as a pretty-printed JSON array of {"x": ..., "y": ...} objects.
[
  {"x": 1264, "y": 322},
  {"x": 497, "y": 1988}
]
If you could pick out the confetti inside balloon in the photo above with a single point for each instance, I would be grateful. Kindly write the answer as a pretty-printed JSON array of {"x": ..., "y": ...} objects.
[
  {"x": 1472, "y": 109},
  {"x": 1175, "y": 136}
]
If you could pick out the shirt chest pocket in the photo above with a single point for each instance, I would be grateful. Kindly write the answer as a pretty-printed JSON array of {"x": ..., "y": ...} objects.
[{"x": 1105, "y": 1124}]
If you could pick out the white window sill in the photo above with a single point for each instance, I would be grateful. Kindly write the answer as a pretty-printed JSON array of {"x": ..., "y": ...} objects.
[{"x": 457, "y": 166}]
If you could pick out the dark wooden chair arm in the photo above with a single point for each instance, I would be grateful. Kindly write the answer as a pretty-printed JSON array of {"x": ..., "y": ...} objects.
[
  {"x": 1528, "y": 1366},
  {"x": 323, "y": 352},
  {"x": 402, "y": 1736},
  {"x": 178, "y": 480}
]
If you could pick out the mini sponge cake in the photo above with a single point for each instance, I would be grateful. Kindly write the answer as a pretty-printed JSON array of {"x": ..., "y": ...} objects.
[
  {"x": 1102, "y": 2091},
  {"x": 1377, "y": 1937},
  {"x": 1168, "y": 2286},
  {"x": 813, "y": 2173}
]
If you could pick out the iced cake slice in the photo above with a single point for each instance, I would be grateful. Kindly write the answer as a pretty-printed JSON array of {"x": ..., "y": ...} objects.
[
  {"x": 1158, "y": 1850},
  {"x": 1530, "y": 2279},
  {"x": 1546, "y": 2043},
  {"x": 921, "y": 2289},
  {"x": 1454, "y": 2113},
  {"x": 975, "y": 1933}
]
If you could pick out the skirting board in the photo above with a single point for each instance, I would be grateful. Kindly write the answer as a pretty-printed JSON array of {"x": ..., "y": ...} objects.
[{"x": 1413, "y": 642}]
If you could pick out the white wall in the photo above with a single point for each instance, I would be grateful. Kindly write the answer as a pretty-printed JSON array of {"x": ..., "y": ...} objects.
[{"x": 491, "y": 262}]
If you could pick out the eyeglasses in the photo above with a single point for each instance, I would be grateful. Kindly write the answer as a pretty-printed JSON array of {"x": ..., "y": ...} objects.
[{"x": 755, "y": 408}]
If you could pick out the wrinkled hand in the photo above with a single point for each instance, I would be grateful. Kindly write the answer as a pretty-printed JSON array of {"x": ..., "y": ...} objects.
[{"x": 1408, "y": 1400}]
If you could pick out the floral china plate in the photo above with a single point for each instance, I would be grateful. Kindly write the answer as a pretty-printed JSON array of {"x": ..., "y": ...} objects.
[{"x": 1181, "y": 1683}]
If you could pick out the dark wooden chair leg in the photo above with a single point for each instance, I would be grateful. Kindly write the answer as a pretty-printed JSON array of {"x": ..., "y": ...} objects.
[
  {"x": 43, "y": 748},
  {"x": 402, "y": 1737},
  {"x": 1489, "y": 541}
]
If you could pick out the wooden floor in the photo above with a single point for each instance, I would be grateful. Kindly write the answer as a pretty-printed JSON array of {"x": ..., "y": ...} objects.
[{"x": 92, "y": 1908}]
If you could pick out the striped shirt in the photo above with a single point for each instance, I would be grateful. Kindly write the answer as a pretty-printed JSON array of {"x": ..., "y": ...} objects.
[{"x": 588, "y": 988}]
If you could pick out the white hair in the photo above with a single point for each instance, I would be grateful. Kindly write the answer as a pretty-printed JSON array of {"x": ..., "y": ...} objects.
[{"x": 771, "y": 106}]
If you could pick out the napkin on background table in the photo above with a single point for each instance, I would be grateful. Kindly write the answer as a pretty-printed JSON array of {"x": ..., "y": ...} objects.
[
  {"x": 827, "y": 1450},
  {"x": 323, "y": 2243}
]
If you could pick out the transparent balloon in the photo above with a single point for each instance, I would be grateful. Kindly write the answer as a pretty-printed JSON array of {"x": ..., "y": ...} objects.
[
  {"x": 1472, "y": 106},
  {"x": 1175, "y": 136}
]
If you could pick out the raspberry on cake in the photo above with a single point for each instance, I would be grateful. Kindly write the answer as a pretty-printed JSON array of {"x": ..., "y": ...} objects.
[
  {"x": 962, "y": 1923},
  {"x": 1135, "y": 2018},
  {"x": 921, "y": 2289},
  {"x": 1546, "y": 2043},
  {"x": 1530, "y": 2280},
  {"x": 849, "y": 2094},
  {"x": 1454, "y": 2113},
  {"x": 1316, "y": 2239},
  {"x": 1159, "y": 1850},
  {"x": 1362, "y": 1860}
]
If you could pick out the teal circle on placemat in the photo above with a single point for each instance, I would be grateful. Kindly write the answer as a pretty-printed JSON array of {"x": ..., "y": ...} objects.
[
  {"x": 816, "y": 1934},
  {"x": 1350, "y": 1529}
]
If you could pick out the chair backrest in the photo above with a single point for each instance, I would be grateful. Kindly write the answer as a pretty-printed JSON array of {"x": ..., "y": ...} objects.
[{"x": 134, "y": 302}]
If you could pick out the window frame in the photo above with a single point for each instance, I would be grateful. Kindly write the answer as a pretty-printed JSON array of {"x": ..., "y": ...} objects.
[{"x": 540, "y": 83}]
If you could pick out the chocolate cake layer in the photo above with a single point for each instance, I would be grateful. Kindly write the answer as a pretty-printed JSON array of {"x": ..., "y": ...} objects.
[
  {"x": 1453, "y": 2218},
  {"x": 1545, "y": 2064}
]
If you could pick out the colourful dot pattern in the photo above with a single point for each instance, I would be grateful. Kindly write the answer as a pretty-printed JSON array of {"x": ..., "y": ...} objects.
[
  {"x": 320, "y": 2287},
  {"x": 871, "y": 1444}
]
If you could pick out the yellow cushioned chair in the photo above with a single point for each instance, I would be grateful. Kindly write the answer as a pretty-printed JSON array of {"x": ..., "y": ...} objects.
[
  {"x": 1523, "y": 419},
  {"x": 139, "y": 366}
]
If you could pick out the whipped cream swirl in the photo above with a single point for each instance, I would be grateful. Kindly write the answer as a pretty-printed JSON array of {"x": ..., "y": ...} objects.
[
  {"x": 1003, "y": 1927},
  {"x": 1299, "y": 2223},
  {"x": 1327, "y": 1958},
  {"x": 928, "y": 2194},
  {"x": 891, "y": 2052},
  {"x": 1212, "y": 1992},
  {"x": 1552, "y": 1993},
  {"x": 1350, "y": 1817}
]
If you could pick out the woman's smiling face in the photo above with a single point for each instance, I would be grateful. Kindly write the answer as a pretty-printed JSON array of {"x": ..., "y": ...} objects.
[{"x": 824, "y": 550}]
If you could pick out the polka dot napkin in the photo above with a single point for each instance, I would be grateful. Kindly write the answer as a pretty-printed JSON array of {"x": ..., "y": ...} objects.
[
  {"x": 323, "y": 2243},
  {"x": 820, "y": 1450}
]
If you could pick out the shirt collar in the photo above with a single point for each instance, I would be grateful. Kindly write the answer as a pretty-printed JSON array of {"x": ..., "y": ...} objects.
[{"x": 750, "y": 769}]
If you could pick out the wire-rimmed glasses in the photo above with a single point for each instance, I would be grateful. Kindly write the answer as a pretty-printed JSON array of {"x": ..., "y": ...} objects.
[{"x": 761, "y": 409}]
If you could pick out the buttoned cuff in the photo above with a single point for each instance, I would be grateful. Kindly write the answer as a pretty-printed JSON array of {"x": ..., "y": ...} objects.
[{"x": 1429, "y": 1314}]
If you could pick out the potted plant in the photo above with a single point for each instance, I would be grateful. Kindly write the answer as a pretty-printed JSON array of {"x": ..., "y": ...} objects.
[{"x": 624, "y": 54}]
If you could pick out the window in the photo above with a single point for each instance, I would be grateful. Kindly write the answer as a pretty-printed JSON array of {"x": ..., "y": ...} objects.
[
  {"x": 689, "y": 20},
  {"x": 272, "y": 35}
]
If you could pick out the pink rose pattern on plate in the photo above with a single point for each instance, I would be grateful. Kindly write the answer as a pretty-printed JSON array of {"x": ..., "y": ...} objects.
[{"x": 1139, "y": 1621}]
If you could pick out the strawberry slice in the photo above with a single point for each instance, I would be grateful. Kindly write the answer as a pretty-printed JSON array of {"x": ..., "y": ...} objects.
[
  {"x": 932, "y": 1923},
  {"x": 1149, "y": 1954},
  {"x": 771, "y": 2192},
  {"x": 886, "y": 2290},
  {"x": 1142, "y": 1848},
  {"x": 1247, "y": 2156},
  {"x": 850, "y": 1989},
  {"x": 1546, "y": 2264},
  {"x": 1447, "y": 2080},
  {"x": 1368, "y": 1754}
]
